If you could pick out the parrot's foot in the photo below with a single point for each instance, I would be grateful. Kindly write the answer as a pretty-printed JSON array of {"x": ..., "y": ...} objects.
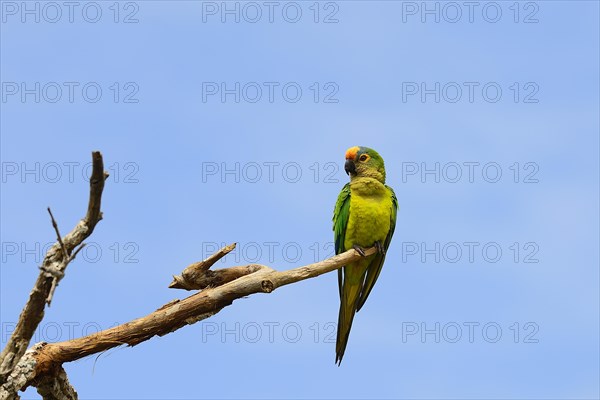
[
  {"x": 380, "y": 248},
  {"x": 359, "y": 250}
]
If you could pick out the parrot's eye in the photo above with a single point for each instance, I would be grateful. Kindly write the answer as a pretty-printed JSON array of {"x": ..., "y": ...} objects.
[{"x": 364, "y": 157}]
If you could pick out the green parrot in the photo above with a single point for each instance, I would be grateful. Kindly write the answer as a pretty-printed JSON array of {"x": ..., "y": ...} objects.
[{"x": 364, "y": 216}]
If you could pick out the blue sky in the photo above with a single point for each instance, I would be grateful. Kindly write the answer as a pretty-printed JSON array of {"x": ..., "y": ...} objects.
[{"x": 218, "y": 131}]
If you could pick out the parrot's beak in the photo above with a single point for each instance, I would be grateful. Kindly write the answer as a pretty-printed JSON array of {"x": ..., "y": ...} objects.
[{"x": 350, "y": 167}]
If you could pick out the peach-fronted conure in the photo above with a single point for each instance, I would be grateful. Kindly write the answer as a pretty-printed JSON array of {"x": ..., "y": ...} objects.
[{"x": 364, "y": 216}]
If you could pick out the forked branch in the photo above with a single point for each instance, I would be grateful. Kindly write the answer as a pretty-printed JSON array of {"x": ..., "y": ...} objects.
[
  {"x": 178, "y": 313},
  {"x": 49, "y": 357},
  {"x": 52, "y": 270}
]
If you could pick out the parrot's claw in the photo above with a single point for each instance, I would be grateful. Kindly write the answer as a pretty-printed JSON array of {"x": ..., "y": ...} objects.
[
  {"x": 359, "y": 250},
  {"x": 380, "y": 248}
]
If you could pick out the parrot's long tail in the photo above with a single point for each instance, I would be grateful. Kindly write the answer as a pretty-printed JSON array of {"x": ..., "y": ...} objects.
[{"x": 348, "y": 304}]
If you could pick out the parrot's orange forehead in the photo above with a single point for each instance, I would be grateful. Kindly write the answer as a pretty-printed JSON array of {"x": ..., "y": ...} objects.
[{"x": 351, "y": 152}]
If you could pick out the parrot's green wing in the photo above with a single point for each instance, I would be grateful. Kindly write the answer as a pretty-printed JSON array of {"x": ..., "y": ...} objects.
[
  {"x": 375, "y": 267},
  {"x": 340, "y": 221}
]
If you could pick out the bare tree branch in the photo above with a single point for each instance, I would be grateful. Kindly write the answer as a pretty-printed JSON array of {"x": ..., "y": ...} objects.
[
  {"x": 57, "y": 270},
  {"x": 58, "y": 235},
  {"x": 198, "y": 275},
  {"x": 178, "y": 313},
  {"x": 52, "y": 270}
]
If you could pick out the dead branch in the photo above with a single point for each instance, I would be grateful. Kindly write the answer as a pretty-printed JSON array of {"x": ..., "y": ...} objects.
[
  {"x": 49, "y": 357},
  {"x": 52, "y": 270},
  {"x": 199, "y": 276},
  {"x": 57, "y": 271}
]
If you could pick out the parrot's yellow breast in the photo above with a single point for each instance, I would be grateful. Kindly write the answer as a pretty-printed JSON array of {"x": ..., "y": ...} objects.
[{"x": 370, "y": 213}]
